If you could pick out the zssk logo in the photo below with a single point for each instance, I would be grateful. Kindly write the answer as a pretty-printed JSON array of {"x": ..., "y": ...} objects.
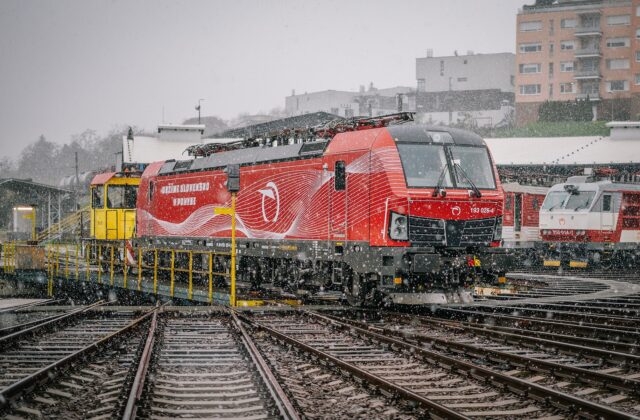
[
  {"x": 271, "y": 194},
  {"x": 455, "y": 210}
]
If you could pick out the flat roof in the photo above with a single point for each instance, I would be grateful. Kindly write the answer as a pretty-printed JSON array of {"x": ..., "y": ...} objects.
[{"x": 524, "y": 151}]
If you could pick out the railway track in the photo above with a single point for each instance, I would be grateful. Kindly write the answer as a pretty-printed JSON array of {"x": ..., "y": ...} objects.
[
  {"x": 442, "y": 385},
  {"x": 204, "y": 367},
  {"x": 602, "y": 376},
  {"x": 40, "y": 353},
  {"x": 92, "y": 389}
]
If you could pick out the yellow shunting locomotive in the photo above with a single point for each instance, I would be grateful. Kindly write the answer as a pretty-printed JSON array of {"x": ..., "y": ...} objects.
[{"x": 113, "y": 205}]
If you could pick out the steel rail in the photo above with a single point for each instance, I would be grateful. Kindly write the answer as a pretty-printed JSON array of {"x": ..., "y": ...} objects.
[
  {"x": 626, "y": 323},
  {"x": 625, "y": 310},
  {"x": 539, "y": 365},
  {"x": 11, "y": 338},
  {"x": 45, "y": 374},
  {"x": 287, "y": 411},
  {"x": 572, "y": 327},
  {"x": 559, "y": 399},
  {"x": 432, "y": 407},
  {"x": 576, "y": 349},
  {"x": 28, "y": 305},
  {"x": 615, "y": 347},
  {"x": 585, "y": 308},
  {"x": 28, "y": 324},
  {"x": 137, "y": 387}
]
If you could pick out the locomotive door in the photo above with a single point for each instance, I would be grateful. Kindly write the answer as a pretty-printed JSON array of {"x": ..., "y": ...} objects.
[
  {"x": 606, "y": 216},
  {"x": 338, "y": 203},
  {"x": 517, "y": 212},
  {"x": 112, "y": 224}
]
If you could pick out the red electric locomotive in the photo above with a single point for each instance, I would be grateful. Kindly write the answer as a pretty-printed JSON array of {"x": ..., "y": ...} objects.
[{"x": 370, "y": 207}]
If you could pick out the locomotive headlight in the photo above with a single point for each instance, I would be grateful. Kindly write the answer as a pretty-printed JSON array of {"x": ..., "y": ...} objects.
[
  {"x": 398, "y": 228},
  {"x": 497, "y": 231}
]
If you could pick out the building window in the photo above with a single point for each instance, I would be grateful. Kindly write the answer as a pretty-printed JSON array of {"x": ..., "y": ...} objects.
[
  {"x": 619, "y": 20},
  {"x": 637, "y": 55},
  {"x": 618, "y": 64},
  {"x": 637, "y": 79},
  {"x": 550, "y": 70},
  {"x": 513, "y": 80},
  {"x": 567, "y": 66},
  {"x": 567, "y": 88},
  {"x": 529, "y": 89},
  {"x": 530, "y": 68},
  {"x": 617, "y": 42},
  {"x": 441, "y": 67},
  {"x": 617, "y": 86},
  {"x": 462, "y": 79},
  {"x": 568, "y": 23},
  {"x": 637, "y": 33},
  {"x": 637, "y": 10},
  {"x": 551, "y": 90},
  {"x": 530, "y": 48},
  {"x": 567, "y": 45},
  {"x": 550, "y": 26},
  {"x": 422, "y": 87},
  {"x": 532, "y": 26}
]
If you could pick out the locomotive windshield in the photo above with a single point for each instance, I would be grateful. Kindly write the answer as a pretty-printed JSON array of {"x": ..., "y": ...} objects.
[
  {"x": 578, "y": 200},
  {"x": 454, "y": 166}
]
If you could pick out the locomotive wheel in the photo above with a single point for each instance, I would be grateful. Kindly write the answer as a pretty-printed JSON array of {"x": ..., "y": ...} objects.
[{"x": 360, "y": 292}]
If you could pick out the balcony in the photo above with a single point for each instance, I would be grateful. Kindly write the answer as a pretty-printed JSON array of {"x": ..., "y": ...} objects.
[
  {"x": 587, "y": 74},
  {"x": 592, "y": 96},
  {"x": 591, "y": 52},
  {"x": 588, "y": 30}
]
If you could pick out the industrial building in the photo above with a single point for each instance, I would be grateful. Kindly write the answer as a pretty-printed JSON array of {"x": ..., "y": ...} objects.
[{"x": 475, "y": 88}]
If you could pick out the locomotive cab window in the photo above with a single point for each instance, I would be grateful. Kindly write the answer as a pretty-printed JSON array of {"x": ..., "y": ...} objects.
[
  {"x": 341, "y": 176},
  {"x": 121, "y": 196},
  {"x": 535, "y": 203},
  {"x": 97, "y": 197},
  {"x": 606, "y": 202}
]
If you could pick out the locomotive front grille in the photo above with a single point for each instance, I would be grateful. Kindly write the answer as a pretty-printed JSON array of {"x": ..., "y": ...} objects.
[
  {"x": 454, "y": 233},
  {"x": 425, "y": 231},
  {"x": 477, "y": 232}
]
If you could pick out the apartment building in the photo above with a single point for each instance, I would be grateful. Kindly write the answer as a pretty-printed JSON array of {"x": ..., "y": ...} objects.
[{"x": 579, "y": 49}]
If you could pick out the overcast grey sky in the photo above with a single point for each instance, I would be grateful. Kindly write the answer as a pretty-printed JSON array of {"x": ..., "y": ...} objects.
[{"x": 69, "y": 65}]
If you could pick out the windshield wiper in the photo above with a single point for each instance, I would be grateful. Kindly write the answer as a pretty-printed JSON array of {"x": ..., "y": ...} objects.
[
  {"x": 555, "y": 205},
  {"x": 582, "y": 206},
  {"x": 476, "y": 191},
  {"x": 439, "y": 189}
]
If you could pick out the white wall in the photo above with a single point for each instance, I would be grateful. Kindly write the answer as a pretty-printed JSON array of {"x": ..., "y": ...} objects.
[{"x": 482, "y": 71}]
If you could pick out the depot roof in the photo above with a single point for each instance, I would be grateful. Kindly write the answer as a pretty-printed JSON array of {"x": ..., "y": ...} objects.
[{"x": 527, "y": 151}]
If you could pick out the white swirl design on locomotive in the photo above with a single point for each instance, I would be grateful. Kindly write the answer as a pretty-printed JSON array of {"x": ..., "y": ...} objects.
[{"x": 294, "y": 204}]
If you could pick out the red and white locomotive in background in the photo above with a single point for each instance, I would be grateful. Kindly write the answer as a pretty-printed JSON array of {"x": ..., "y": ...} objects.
[
  {"x": 586, "y": 220},
  {"x": 368, "y": 207},
  {"x": 521, "y": 215}
]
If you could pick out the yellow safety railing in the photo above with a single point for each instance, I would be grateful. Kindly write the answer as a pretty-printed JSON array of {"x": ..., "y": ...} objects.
[
  {"x": 67, "y": 261},
  {"x": 9, "y": 257}
]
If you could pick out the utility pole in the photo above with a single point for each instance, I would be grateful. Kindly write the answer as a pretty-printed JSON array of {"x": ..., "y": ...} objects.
[
  {"x": 76, "y": 190},
  {"x": 198, "y": 109}
]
